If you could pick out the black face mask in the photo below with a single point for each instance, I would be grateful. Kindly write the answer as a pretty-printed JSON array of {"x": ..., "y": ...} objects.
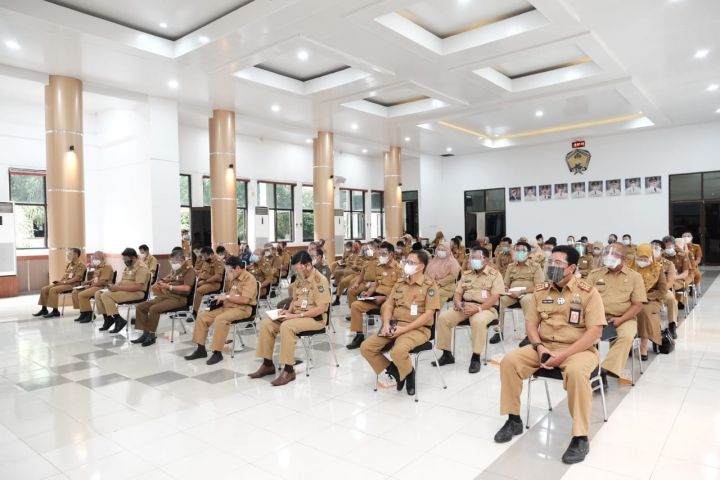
[{"x": 128, "y": 263}]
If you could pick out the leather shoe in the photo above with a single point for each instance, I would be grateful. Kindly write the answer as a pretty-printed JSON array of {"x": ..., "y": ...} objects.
[
  {"x": 410, "y": 383},
  {"x": 359, "y": 337},
  {"x": 200, "y": 352},
  {"x": 644, "y": 358},
  {"x": 577, "y": 450},
  {"x": 263, "y": 371},
  {"x": 43, "y": 311},
  {"x": 86, "y": 317},
  {"x": 141, "y": 338},
  {"x": 511, "y": 428},
  {"x": 119, "y": 324},
  {"x": 474, "y": 365},
  {"x": 107, "y": 323},
  {"x": 495, "y": 338},
  {"x": 54, "y": 313},
  {"x": 445, "y": 359},
  {"x": 150, "y": 340},
  {"x": 525, "y": 341},
  {"x": 215, "y": 358},
  {"x": 393, "y": 372},
  {"x": 672, "y": 328},
  {"x": 283, "y": 379},
  {"x": 336, "y": 302}
]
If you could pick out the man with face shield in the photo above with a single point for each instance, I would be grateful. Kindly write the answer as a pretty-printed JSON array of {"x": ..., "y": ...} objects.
[
  {"x": 73, "y": 275},
  {"x": 407, "y": 317},
  {"x": 101, "y": 277},
  {"x": 682, "y": 267},
  {"x": 367, "y": 275},
  {"x": 597, "y": 249},
  {"x": 308, "y": 311},
  {"x": 669, "y": 298},
  {"x": 131, "y": 287},
  {"x": 565, "y": 320},
  {"x": 648, "y": 320},
  {"x": 235, "y": 304},
  {"x": 475, "y": 298},
  {"x": 173, "y": 291},
  {"x": 623, "y": 294},
  {"x": 585, "y": 264},
  {"x": 503, "y": 255}
]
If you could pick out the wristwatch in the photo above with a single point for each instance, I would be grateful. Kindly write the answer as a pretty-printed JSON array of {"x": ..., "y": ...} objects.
[{"x": 536, "y": 345}]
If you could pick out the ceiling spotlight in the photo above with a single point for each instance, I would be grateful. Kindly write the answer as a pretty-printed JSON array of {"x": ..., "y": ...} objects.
[
  {"x": 448, "y": 149},
  {"x": 163, "y": 25},
  {"x": 713, "y": 87},
  {"x": 407, "y": 139},
  {"x": 354, "y": 126},
  {"x": 275, "y": 108},
  {"x": 702, "y": 53},
  {"x": 364, "y": 150},
  {"x": 203, "y": 39},
  {"x": 12, "y": 44},
  {"x": 539, "y": 113},
  {"x": 303, "y": 55},
  {"x": 174, "y": 84}
]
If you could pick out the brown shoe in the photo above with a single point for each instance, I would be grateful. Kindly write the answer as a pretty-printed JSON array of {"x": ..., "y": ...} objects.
[
  {"x": 263, "y": 371},
  {"x": 283, "y": 379}
]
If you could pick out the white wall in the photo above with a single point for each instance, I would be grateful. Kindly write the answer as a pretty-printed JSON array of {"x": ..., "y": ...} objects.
[{"x": 662, "y": 152}]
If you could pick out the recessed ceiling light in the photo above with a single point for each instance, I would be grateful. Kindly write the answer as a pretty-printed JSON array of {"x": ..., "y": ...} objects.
[
  {"x": 354, "y": 126},
  {"x": 364, "y": 150},
  {"x": 163, "y": 25},
  {"x": 717, "y": 111},
  {"x": 303, "y": 55},
  {"x": 308, "y": 140},
  {"x": 713, "y": 87},
  {"x": 407, "y": 139},
  {"x": 275, "y": 108},
  {"x": 448, "y": 149},
  {"x": 203, "y": 39},
  {"x": 12, "y": 44},
  {"x": 174, "y": 84},
  {"x": 539, "y": 113},
  {"x": 702, "y": 53}
]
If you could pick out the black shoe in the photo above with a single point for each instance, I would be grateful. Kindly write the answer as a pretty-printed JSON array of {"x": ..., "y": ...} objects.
[
  {"x": 190, "y": 319},
  {"x": 393, "y": 372},
  {"x": 496, "y": 338},
  {"x": 150, "y": 340},
  {"x": 576, "y": 452},
  {"x": 348, "y": 318},
  {"x": 445, "y": 359},
  {"x": 119, "y": 324},
  {"x": 512, "y": 427},
  {"x": 410, "y": 383},
  {"x": 336, "y": 302},
  {"x": 107, "y": 323},
  {"x": 55, "y": 313},
  {"x": 371, "y": 321},
  {"x": 132, "y": 321},
  {"x": 644, "y": 358},
  {"x": 672, "y": 328},
  {"x": 272, "y": 295},
  {"x": 215, "y": 358},
  {"x": 86, "y": 317},
  {"x": 525, "y": 341},
  {"x": 80, "y": 317},
  {"x": 141, "y": 338},
  {"x": 474, "y": 364},
  {"x": 681, "y": 306},
  {"x": 359, "y": 337},
  {"x": 200, "y": 352},
  {"x": 43, "y": 311}
]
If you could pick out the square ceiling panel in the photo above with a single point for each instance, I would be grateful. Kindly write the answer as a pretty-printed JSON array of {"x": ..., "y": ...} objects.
[
  {"x": 409, "y": 98},
  {"x": 302, "y": 65},
  {"x": 170, "y": 19},
  {"x": 552, "y": 58},
  {"x": 446, "y": 18},
  {"x": 397, "y": 96}
]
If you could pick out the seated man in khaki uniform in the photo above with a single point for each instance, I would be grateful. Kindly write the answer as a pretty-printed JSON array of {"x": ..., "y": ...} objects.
[
  {"x": 669, "y": 300},
  {"x": 221, "y": 253},
  {"x": 356, "y": 266},
  {"x": 585, "y": 264},
  {"x": 209, "y": 276},
  {"x": 262, "y": 271},
  {"x": 682, "y": 267},
  {"x": 101, "y": 277},
  {"x": 235, "y": 304},
  {"x": 308, "y": 311},
  {"x": 520, "y": 279},
  {"x": 696, "y": 254},
  {"x": 503, "y": 255},
  {"x": 565, "y": 320},
  {"x": 366, "y": 276},
  {"x": 476, "y": 298},
  {"x": 132, "y": 286},
  {"x": 74, "y": 274},
  {"x": 149, "y": 260},
  {"x": 623, "y": 295},
  {"x": 385, "y": 275},
  {"x": 172, "y": 294},
  {"x": 407, "y": 317}
]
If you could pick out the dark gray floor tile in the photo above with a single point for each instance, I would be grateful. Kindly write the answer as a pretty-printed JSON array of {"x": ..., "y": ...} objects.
[
  {"x": 42, "y": 382},
  {"x": 218, "y": 376},
  {"x": 103, "y": 380},
  {"x": 94, "y": 355},
  {"x": 161, "y": 378},
  {"x": 72, "y": 367},
  {"x": 114, "y": 343}
]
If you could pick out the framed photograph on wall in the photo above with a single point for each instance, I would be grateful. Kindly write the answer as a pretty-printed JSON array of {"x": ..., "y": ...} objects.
[
  {"x": 577, "y": 189},
  {"x": 595, "y": 189},
  {"x": 561, "y": 191},
  {"x": 531, "y": 193},
  {"x": 514, "y": 194},
  {"x": 653, "y": 185},
  {"x": 546, "y": 192},
  {"x": 633, "y": 186},
  {"x": 613, "y": 188}
]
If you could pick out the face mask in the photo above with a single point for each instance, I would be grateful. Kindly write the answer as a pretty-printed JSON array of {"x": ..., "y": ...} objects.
[
  {"x": 96, "y": 262},
  {"x": 555, "y": 274},
  {"x": 626, "y": 241},
  {"x": 384, "y": 259},
  {"x": 643, "y": 263},
  {"x": 506, "y": 249},
  {"x": 670, "y": 251},
  {"x": 611, "y": 262},
  {"x": 547, "y": 253},
  {"x": 175, "y": 266},
  {"x": 441, "y": 254},
  {"x": 314, "y": 261},
  {"x": 476, "y": 263},
  {"x": 409, "y": 269},
  {"x": 186, "y": 237},
  {"x": 197, "y": 252},
  {"x": 540, "y": 241},
  {"x": 221, "y": 257},
  {"x": 688, "y": 240},
  {"x": 143, "y": 256},
  {"x": 128, "y": 263},
  {"x": 580, "y": 248},
  {"x": 268, "y": 253},
  {"x": 369, "y": 252},
  {"x": 254, "y": 258},
  {"x": 657, "y": 251},
  {"x": 611, "y": 240},
  {"x": 597, "y": 251},
  {"x": 521, "y": 256},
  {"x": 571, "y": 241}
]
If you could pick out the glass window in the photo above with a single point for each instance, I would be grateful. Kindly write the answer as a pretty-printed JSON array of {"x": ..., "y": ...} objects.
[
  {"x": 685, "y": 187},
  {"x": 377, "y": 214},
  {"x": 241, "y": 193},
  {"x": 283, "y": 196},
  {"x": 241, "y": 196},
  {"x": 278, "y": 197},
  {"x": 353, "y": 204},
  {"x": 308, "y": 214},
  {"x": 495, "y": 199},
  {"x": 475, "y": 201},
  {"x": 185, "y": 190},
  {"x": 711, "y": 185},
  {"x": 206, "y": 192},
  {"x": 265, "y": 196},
  {"x": 345, "y": 199},
  {"x": 27, "y": 190}
]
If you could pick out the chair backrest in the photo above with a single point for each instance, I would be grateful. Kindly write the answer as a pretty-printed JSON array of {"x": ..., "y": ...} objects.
[
  {"x": 114, "y": 277},
  {"x": 147, "y": 289},
  {"x": 191, "y": 296},
  {"x": 88, "y": 275},
  {"x": 432, "y": 327},
  {"x": 155, "y": 273},
  {"x": 222, "y": 282},
  {"x": 257, "y": 298}
]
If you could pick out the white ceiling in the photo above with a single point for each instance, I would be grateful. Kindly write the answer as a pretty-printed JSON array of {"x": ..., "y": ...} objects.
[{"x": 641, "y": 51}]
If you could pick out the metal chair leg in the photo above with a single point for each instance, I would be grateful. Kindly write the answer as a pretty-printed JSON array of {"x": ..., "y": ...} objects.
[
  {"x": 547, "y": 394},
  {"x": 332, "y": 349},
  {"x": 529, "y": 392},
  {"x": 415, "y": 372},
  {"x": 439, "y": 370}
]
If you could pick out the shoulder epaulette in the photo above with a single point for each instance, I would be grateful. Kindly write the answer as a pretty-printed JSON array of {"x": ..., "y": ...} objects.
[
  {"x": 584, "y": 286},
  {"x": 542, "y": 286}
]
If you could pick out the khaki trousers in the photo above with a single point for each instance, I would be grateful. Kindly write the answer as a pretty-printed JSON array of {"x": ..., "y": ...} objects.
[
  {"x": 221, "y": 318},
  {"x": 288, "y": 331},
  {"x": 203, "y": 290},
  {"x": 147, "y": 314},
  {"x": 508, "y": 301},
  {"x": 106, "y": 302},
  {"x": 520, "y": 364},
  {"x": 81, "y": 298},
  {"x": 648, "y": 322},
  {"x": 617, "y": 357},
  {"x": 346, "y": 282},
  {"x": 372, "y": 350},
  {"x": 352, "y": 293},
  {"x": 478, "y": 328},
  {"x": 357, "y": 309},
  {"x": 49, "y": 294},
  {"x": 672, "y": 307}
]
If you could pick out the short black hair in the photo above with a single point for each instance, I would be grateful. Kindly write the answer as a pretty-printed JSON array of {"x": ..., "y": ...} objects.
[
  {"x": 422, "y": 256},
  {"x": 175, "y": 249},
  {"x": 506, "y": 239},
  {"x": 459, "y": 237},
  {"x": 129, "y": 252},
  {"x": 234, "y": 261},
  {"x": 583, "y": 239},
  {"x": 626, "y": 235},
  {"x": 538, "y": 236},
  {"x": 656, "y": 242},
  {"x": 206, "y": 251},
  {"x": 571, "y": 253},
  {"x": 388, "y": 246},
  {"x": 349, "y": 243},
  {"x": 478, "y": 248},
  {"x": 416, "y": 246},
  {"x": 612, "y": 235},
  {"x": 523, "y": 244},
  {"x": 179, "y": 254},
  {"x": 551, "y": 241},
  {"x": 456, "y": 242},
  {"x": 668, "y": 238},
  {"x": 220, "y": 249},
  {"x": 144, "y": 248},
  {"x": 76, "y": 250},
  {"x": 302, "y": 257}
]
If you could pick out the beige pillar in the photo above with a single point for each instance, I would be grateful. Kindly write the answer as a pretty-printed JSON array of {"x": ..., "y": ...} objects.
[
  {"x": 223, "y": 199},
  {"x": 65, "y": 181},
  {"x": 393, "y": 196},
  {"x": 323, "y": 189}
]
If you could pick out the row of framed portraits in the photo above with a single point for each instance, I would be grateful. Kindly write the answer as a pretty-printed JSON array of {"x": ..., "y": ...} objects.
[{"x": 591, "y": 189}]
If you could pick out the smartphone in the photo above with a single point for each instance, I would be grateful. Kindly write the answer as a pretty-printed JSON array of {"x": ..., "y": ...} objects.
[{"x": 544, "y": 357}]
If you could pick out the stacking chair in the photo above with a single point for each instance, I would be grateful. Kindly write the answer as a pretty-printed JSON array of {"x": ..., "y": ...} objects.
[
  {"x": 492, "y": 328},
  {"x": 62, "y": 296},
  {"x": 307, "y": 338},
  {"x": 132, "y": 303},
  {"x": 251, "y": 320},
  {"x": 205, "y": 298},
  {"x": 182, "y": 312}
]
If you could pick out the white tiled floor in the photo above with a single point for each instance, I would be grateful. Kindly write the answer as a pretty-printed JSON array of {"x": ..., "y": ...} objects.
[{"x": 330, "y": 425}]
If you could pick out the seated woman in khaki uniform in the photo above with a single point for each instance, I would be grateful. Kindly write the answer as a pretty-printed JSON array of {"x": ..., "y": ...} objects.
[
  {"x": 444, "y": 269},
  {"x": 648, "y": 319}
]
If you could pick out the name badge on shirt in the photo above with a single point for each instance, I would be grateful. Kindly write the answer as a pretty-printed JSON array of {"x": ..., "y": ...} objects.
[
  {"x": 574, "y": 316},
  {"x": 304, "y": 304},
  {"x": 413, "y": 310},
  {"x": 484, "y": 294}
]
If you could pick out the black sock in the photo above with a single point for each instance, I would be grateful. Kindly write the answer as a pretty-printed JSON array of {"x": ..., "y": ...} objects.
[
  {"x": 116, "y": 316},
  {"x": 201, "y": 348},
  {"x": 267, "y": 363},
  {"x": 289, "y": 368},
  {"x": 475, "y": 356},
  {"x": 150, "y": 334},
  {"x": 216, "y": 351},
  {"x": 581, "y": 437},
  {"x": 446, "y": 353},
  {"x": 55, "y": 310},
  {"x": 514, "y": 418}
]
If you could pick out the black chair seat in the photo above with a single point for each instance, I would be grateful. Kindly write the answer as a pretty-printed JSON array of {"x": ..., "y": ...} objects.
[
  {"x": 466, "y": 323},
  {"x": 422, "y": 348},
  {"x": 375, "y": 311},
  {"x": 514, "y": 306},
  {"x": 310, "y": 333},
  {"x": 555, "y": 373}
]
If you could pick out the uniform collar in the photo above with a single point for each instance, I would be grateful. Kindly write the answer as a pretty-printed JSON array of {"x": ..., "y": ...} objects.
[{"x": 419, "y": 281}]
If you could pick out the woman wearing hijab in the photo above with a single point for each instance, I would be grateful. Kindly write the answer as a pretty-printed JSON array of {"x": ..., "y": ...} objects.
[
  {"x": 443, "y": 269},
  {"x": 648, "y": 320},
  {"x": 439, "y": 237}
]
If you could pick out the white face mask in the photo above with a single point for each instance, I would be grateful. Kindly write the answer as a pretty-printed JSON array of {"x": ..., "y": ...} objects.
[
  {"x": 409, "y": 269},
  {"x": 441, "y": 254},
  {"x": 96, "y": 262},
  {"x": 611, "y": 262},
  {"x": 383, "y": 259},
  {"x": 547, "y": 253},
  {"x": 657, "y": 251},
  {"x": 369, "y": 252},
  {"x": 687, "y": 240},
  {"x": 221, "y": 257},
  {"x": 476, "y": 263},
  {"x": 175, "y": 266},
  {"x": 597, "y": 251},
  {"x": 670, "y": 251},
  {"x": 626, "y": 241},
  {"x": 268, "y": 253},
  {"x": 197, "y": 252},
  {"x": 643, "y": 263}
]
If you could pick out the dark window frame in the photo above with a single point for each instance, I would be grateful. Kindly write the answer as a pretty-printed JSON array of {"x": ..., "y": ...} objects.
[{"x": 35, "y": 173}]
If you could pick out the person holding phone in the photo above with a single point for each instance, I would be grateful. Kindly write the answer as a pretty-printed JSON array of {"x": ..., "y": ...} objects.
[{"x": 564, "y": 321}]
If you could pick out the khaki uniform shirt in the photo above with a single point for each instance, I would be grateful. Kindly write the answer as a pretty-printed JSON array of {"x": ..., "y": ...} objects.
[
  {"x": 137, "y": 273},
  {"x": 369, "y": 270},
  {"x": 310, "y": 292},
  {"x": 682, "y": 264},
  {"x": 697, "y": 253},
  {"x": 618, "y": 290},
  {"x": 101, "y": 275},
  {"x": 185, "y": 275},
  {"x": 669, "y": 271},
  {"x": 422, "y": 293},
  {"x": 210, "y": 268},
  {"x": 262, "y": 271},
  {"x": 527, "y": 274},
  {"x": 199, "y": 263},
  {"x": 585, "y": 265},
  {"x": 386, "y": 276},
  {"x": 459, "y": 254},
  {"x": 562, "y": 316},
  {"x": 502, "y": 260},
  {"x": 74, "y": 273},
  {"x": 151, "y": 263},
  {"x": 476, "y": 287},
  {"x": 244, "y": 285}
]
